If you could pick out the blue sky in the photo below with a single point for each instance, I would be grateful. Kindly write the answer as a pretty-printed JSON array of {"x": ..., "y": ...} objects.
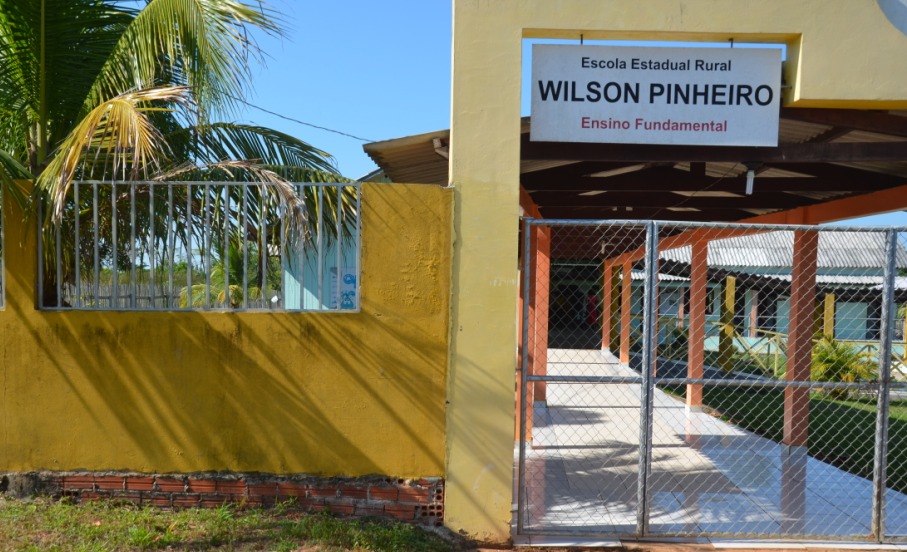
[{"x": 375, "y": 70}]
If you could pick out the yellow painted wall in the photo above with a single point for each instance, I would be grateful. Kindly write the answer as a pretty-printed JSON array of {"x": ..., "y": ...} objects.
[
  {"x": 842, "y": 53},
  {"x": 313, "y": 393}
]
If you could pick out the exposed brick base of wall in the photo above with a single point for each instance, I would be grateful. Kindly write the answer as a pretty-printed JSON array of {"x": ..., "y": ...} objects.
[{"x": 418, "y": 501}]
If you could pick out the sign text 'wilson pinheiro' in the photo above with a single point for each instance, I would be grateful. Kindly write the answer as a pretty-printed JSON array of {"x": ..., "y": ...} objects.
[{"x": 644, "y": 95}]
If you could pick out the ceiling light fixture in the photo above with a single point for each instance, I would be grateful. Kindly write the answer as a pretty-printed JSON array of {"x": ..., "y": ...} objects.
[{"x": 750, "y": 176}]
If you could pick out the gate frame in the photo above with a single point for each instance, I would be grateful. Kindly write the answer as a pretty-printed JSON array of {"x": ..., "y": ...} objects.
[{"x": 647, "y": 377}]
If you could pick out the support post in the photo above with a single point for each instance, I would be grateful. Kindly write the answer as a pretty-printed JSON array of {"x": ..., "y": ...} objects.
[
  {"x": 647, "y": 370},
  {"x": 727, "y": 335},
  {"x": 696, "y": 337},
  {"x": 626, "y": 290},
  {"x": 614, "y": 309},
  {"x": 523, "y": 403},
  {"x": 681, "y": 309},
  {"x": 828, "y": 324},
  {"x": 886, "y": 342},
  {"x": 607, "y": 288},
  {"x": 541, "y": 288},
  {"x": 754, "y": 313},
  {"x": 800, "y": 333}
]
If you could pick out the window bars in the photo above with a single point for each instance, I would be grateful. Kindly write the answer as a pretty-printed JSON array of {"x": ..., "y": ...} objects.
[{"x": 235, "y": 246}]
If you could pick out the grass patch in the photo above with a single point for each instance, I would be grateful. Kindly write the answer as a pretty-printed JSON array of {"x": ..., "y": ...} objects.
[
  {"x": 841, "y": 432},
  {"x": 45, "y": 524}
]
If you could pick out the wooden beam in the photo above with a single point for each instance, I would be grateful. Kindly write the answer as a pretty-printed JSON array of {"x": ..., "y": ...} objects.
[
  {"x": 681, "y": 181},
  {"x": 607, "y": 213},
  {"x": 787, "y": 153},
  {"x": 858, "y": 178},
  {"x": 698, "y": 306},
  {"x": 882, "y": 201},
  {"x": 799, "y": 337},
  {"x": 571, "y": 170},
  {"x": 646, "y": 199},
  {"x": 880, "y": 122},
  {"x": 529, "y": 207}
]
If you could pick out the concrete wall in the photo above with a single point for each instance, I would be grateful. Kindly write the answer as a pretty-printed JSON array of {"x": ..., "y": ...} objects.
[
  {"x": 841, "y": 53},
  {"x": 284, "y": 393}
]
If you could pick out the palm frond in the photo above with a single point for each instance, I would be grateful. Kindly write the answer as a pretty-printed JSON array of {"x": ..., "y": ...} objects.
[
  {"x": 50, "y": 52},
  {"x": 203, "y": 44},
  {"x": 12, "y": 171},
  {"x": 276, "y": 151},
  {"x": 116, "y": 140}
]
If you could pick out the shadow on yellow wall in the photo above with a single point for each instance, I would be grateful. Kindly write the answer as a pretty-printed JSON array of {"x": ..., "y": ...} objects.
[{"x": 315, "y": 393}]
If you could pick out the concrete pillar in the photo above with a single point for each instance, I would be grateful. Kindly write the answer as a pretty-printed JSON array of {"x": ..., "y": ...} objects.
[
  {"x": 696, "y": 340},
  {"x": 626, "y": 306},
  {"x": 728, "y": 333},
  {"x": 799, "y": 339}
]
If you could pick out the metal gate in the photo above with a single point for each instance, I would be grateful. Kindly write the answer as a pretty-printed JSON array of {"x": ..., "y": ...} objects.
[{"x": 690, "y": 380}]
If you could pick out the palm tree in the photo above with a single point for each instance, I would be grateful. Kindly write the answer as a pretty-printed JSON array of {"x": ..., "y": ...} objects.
[{"x": 104, "y": 90}]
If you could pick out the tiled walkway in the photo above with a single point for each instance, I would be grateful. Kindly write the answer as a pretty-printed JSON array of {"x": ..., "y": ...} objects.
[{"x": 708, "y": 477}]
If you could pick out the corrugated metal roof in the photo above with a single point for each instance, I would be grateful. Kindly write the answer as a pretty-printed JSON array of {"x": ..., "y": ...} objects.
[
  {"x": 821, "y": 279},
  {"x": 770, "y": 250},
  {"x": 412, "y": 159}
]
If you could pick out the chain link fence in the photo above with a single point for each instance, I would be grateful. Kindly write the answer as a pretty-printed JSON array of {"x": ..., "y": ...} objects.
[{"x": 688, "y": 380}]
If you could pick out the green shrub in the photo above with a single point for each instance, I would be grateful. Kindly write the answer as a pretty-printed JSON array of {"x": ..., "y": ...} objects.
[{"x": 839, "y": 362}]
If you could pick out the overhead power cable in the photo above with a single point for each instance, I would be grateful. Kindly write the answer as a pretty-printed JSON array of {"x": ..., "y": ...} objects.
[{"x": 326, "y": 129}]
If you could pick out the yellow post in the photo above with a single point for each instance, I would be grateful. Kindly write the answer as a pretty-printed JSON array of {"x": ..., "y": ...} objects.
[
  {"x": 726, "y": 337},
  {"x": 828, "y": 326}
]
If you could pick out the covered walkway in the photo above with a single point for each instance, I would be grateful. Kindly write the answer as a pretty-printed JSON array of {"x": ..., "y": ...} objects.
[{"x": 708, "y": 477}]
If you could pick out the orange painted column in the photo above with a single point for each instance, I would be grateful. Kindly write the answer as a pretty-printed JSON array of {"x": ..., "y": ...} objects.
[
  {"x": 696, "y": 334},
  {"x": 539, "y": 302},
  {"x": 607, "y": 289},
  {"x": 614, "y": 301},
  {"x": 799, "y": 340},
  {"x": 626, "y": 305}
]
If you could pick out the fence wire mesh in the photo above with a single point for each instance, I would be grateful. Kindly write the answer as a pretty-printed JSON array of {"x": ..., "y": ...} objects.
[{"x": 734, "y": 384}]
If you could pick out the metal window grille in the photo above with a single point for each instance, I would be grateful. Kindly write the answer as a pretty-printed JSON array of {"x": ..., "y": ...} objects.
[
  {"x": 236, "y": 246},
  {"x": 720, "y": 380}
]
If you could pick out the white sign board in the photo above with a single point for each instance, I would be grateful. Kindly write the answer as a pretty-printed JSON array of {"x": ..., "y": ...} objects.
[{"x": 645, "y": 95}]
